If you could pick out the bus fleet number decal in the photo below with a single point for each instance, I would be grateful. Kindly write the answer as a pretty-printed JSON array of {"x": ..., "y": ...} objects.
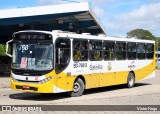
[{"x": 79, "y": 65}]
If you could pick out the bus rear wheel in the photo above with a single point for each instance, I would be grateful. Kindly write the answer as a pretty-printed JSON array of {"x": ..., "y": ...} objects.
[
  {"x": 130, "y": 80},
  {"x": 78, "y": 88}
]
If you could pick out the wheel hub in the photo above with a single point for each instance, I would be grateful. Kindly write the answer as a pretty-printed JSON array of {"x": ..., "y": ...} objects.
[
  {"x": 76, "y": 87},
  {"x": 131, "y": 81}
]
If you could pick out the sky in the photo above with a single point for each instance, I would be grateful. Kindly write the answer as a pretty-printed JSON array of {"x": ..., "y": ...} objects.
[{"x": 117, "y": 16}]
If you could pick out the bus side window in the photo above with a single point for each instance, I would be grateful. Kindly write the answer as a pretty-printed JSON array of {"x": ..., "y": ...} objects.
[
  {"x": 96, "y": 50},
  {"x": 76, "y": 49},
  {"x": 120, "y": 50},
  {"x": 108, "y": 50},
  {"x": 149, "y": 51},
  {"x": 131, "y": 50},
  {"x": 141, "y": 50},
  {"x": 80, "y": 50}
]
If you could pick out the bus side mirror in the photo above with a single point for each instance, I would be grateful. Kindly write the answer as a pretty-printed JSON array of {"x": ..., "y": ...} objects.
[{"x": 7, "y": 45}]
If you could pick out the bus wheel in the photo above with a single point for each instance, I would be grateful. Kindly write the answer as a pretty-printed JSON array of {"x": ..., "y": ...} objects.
[
  {"x": 130, "y": 80},
  {"x": 78, "y": 88}
]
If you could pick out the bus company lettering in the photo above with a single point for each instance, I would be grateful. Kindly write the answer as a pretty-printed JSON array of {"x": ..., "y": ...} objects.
[
  {"x": 79, "y": 65},
  {"x": 109, "y": 66},
  {"x": 132, "y": 65},
  {"x": 95, "y": 67}
]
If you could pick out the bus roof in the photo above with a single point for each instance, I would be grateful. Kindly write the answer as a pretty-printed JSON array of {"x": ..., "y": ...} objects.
[
  {"x": 94, "y": 37},
  {"x": 59, "y": 33}
]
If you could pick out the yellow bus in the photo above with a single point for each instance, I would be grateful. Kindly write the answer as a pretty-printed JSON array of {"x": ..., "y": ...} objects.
[{"x": 57, "y": 61}]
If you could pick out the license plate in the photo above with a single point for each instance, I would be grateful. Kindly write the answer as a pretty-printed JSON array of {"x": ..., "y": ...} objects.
[{"x": 26, "y": 87}]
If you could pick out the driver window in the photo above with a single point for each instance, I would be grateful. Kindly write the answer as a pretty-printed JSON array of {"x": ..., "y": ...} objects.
[{"x": 62, "y": 54}]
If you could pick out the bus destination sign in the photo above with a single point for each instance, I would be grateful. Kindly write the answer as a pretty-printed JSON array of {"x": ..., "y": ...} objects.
[{"x": 32, "y": 37}]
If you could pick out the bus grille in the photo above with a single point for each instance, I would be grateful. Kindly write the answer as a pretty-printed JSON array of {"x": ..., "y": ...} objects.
[{"x": 27, "y": 81}]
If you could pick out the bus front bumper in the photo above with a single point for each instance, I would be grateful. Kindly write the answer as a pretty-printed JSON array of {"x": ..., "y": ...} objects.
[{"x": 32, "y": 87}]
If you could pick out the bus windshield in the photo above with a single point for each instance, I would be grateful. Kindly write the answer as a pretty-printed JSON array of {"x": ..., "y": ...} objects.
[{"x": 32, "y": 56}]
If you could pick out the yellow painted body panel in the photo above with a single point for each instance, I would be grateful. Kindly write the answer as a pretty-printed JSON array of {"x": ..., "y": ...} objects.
[
  {"x": 103, "y": 80},
  {"x": 64, "y": 82},
  {"x": 70, "y": 82},
  {"x": 145, "y": 71},
  {"x": 111, "y": 78}
]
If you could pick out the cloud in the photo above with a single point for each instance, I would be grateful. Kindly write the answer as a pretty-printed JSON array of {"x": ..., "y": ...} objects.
[
  {"x": 143, "y": 17},
  {"x": 50, "y": 2},
  {"x": 99, "y": 12}
]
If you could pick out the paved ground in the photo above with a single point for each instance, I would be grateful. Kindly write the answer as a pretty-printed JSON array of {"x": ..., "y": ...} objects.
[
  {"x": 144, "y": 93},
  {"x": 4, "y": 82}
]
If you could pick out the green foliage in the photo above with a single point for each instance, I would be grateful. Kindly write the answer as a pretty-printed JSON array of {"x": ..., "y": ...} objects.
[
  {"x": 2, "y": 50},
  {"x": 141, "y": 34}
]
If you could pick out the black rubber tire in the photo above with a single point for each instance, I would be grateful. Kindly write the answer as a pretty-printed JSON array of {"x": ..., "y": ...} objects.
[
  {"x": 130, "y": 80},
  {"x": 81, "y": 88}
]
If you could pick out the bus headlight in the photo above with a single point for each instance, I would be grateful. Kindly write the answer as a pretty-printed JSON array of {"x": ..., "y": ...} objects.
[{"x": 45, "y": 80}]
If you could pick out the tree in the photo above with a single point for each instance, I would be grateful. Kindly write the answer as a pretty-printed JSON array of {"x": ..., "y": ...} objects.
[
  {"x": 141, "y": 34},
  {"x": 2, "y": 50}
]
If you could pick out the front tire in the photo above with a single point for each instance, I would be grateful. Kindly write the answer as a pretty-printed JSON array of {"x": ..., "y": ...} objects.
[
  {"x": 78, "y": 88},
  {"x": 130, "y": 80}
]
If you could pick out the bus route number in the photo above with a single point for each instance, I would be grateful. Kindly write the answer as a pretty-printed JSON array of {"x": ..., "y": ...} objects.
[
  {"x": 23, "y": 47},
  {"x": 79, "y": 65}
]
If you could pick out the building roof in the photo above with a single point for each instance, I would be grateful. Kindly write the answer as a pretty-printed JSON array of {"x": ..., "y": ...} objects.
[{"x": 75, "y": 17}]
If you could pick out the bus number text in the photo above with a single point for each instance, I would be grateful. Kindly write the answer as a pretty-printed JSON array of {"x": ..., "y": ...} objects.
[{"x": 79, "y": 65}]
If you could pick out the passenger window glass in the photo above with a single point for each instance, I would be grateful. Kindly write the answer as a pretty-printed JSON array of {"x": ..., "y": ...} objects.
[
  {"x": 149, "y": 51},
  {"x": 80, "y": 50},
  {"x": 108, "y": 50},
  {"x": 131, "y": 50},
  {"x": 95, "y": 50},
  {"x": 120, "y": 50},
  {"x": 141, "y": 51}
]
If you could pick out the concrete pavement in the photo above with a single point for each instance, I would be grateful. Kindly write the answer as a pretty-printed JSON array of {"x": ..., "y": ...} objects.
[{"x": 4, "y": 82}]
